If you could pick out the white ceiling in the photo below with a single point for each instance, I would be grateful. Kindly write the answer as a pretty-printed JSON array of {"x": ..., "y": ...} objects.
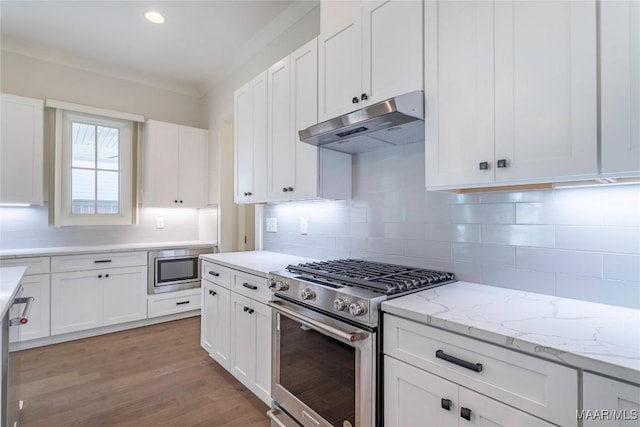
[{"x": 200, "y": 43}]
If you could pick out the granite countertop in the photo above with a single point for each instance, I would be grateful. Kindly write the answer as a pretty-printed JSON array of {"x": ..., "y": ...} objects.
[
  {"x": 10, "y": 278},
  {"x": 595, "y": 337},
  {"x": 69, "y": 250},
  {"x": 259, "y": 263}
]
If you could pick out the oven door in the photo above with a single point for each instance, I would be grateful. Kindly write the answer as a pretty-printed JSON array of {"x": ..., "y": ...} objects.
[{"x": 323, "y": 369}]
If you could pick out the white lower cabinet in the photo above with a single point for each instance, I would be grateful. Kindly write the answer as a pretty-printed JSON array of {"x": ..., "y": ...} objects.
[
  {"x": 90, "y": 299},
  {"x": 36, "y": 286},
  {"x": 608, "y": 402},
  {"x": 250, "y": 356},
  {"x": 214, "y": 322},
  {"x": 413, "y": 396}
]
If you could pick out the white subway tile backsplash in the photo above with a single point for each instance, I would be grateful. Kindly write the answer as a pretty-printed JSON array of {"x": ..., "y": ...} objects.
[
  {"x": 559, "y": 261},
  {"x": 384, "y": 246},
  {"x": 427, "y": 249},
  {"x": 484, "y": 254},
  {"x": 519, "y": 235},
  {"x": 625, "y": 213},
  {"x": 574, "y": 213},
  {"x": 625, "y": 294},
  {"x": 358, "y": 214},
  {"x": 522, "y": 280},
  {"x": 454, "y": 232},
  {"x": 600, "y": 239},
  {"x": 515, "y": 197},
  {"x": 622, "y": 267},
  {"x": 503, "y": 213},
  {"x": 390, "y": 214},
  {"x": 404, "y": 230}
]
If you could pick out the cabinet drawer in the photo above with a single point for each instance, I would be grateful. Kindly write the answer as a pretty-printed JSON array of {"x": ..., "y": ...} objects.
[
  {"x": 174, "y": 302},
  {"x": 255, "y": 287},
  {"x": 97, "y": 261},
  {"x": 537, "y": 386},
  {"x": 36, "y": 265},
  {"x": 216, "y": 273}
]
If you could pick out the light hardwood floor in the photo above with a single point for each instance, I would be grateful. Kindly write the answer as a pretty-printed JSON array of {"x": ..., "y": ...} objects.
[{"x": 152, "y": 376}]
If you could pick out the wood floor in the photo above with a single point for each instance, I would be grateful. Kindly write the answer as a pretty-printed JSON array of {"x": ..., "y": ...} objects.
[{"x": 152, "y": 376}]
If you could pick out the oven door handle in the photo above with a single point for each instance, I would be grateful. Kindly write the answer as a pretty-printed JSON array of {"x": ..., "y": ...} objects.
[
  {"x": 349, "y": 337},
  {"x": 273, "y": 414}
]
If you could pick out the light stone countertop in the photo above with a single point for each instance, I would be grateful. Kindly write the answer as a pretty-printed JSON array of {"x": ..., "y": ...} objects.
[
  {"x": 69, "y": 250},
  {"x": 595, "y": 337},
  {"x": 10, "y": 278},
  {"x": 259, "y": 263}
]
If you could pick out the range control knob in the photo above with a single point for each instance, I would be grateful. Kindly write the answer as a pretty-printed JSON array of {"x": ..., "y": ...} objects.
[
  {"x": 357, "y": 309},
  {"x": 281, "y": 286},
  {"x": 341, "y": 304},
  {"x": 307, "y": 294}
]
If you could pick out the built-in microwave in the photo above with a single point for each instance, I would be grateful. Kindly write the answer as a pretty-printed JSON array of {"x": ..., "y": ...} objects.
[{"x": 175, "y": 269}]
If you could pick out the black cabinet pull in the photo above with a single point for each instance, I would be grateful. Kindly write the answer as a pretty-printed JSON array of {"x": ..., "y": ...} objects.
[
  {"x": 180, "y": 201},
  {"x": 477, "y": 367},
  {"x": 445, "y": 403},
  {"x": 285, "y": 189},
  {"x": 175, "y": 201},
  {"x": 246, "y": 308},
  {"x": 465, "y": 413},
  {"x": 355, "y": 100},
  {"x": 484, "y": 166},
  {"x": 502, "y": 163},
  {"x": 106, "y": 275},
  {"x": 102, "y": 261},
  {"x": 212, "y": 293},
  {"x": 364, "y": 97},
  {"x": 99, "y": 276},
  {"x": 213, "y": 273},
  {"x": 249, "y": 286},
  {"x": 183, "y": 302},
  {"x": 290, "y": 188},
  {"x": 245, "y": 193},
  {"x": 248, "y": 193},
  {"x": 251, "y": 310}
]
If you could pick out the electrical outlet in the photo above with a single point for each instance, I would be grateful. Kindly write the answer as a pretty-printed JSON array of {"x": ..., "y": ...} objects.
[
  {"x": 159, "y": 222},
  {"x": 272, "y": 225},
  {"x": 304, "y": 226}
]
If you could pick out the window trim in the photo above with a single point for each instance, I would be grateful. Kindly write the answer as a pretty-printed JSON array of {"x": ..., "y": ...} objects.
[{"x": 62, "y": 215}]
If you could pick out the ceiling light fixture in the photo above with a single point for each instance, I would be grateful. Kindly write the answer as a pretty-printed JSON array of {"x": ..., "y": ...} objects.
[{"x": 153, "y": 16}]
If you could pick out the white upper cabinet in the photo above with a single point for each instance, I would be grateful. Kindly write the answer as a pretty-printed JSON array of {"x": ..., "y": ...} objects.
[
  {"x": 175, "y": 165},
  {"x": 368, "y": 52},
  {"x": 250, "y": 107},
  {"x": 511, "y": 92},
  {"x": 21, "y": 150},
  {"x": 620, "y": 88}
]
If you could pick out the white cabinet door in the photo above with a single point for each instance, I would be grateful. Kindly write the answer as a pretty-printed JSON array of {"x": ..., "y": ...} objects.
[
  {"x": 545, "y": 90},
  {"x": 21, "y": 150},
  {"x": 214, "y": 338},
  {"x": 261, "y": 316},
  {"x": 162, "y": 165},
  {"x": 242, "y": 354},
  {"x": 125, "y": 294},
  {"x": 391, "y": 48},
  {"x": 251, "y": 141},
  {"x": 413, "y": 397},
  {"x": 622, "y": 400},
  {"x": 340, "y": 66},
  {"x": 304, "y": 113},
  {"x": 38, "y": 325},
  {"x": 281, "y": 153},
  {"x": 192, "y": 156},
  {"x": 459, "y": 92},
  {"x": 207, "y": 315},
  {"x": 76, "y": 301},
  {"x": 620, "y": 87},
  {"x": 482, "y": 411}
]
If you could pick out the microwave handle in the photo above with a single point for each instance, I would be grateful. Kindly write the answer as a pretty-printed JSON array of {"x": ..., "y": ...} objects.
[
  {"x": 349, "y": 337},
  {"x": 24, "y": 317}
]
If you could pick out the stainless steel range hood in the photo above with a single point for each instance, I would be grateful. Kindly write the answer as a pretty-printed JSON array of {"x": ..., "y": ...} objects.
[{"x": 395, "y": 121}]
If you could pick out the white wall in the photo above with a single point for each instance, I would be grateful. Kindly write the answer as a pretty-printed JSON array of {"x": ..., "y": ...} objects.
[
  {"x": 218, "y": 104},
  {"x": 580, "y": 243}
]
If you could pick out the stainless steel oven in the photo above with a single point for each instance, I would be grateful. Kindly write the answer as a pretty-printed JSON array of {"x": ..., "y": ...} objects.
[
  {"x": 324, "y": 369},
  {"x": 175, "y": 269}
]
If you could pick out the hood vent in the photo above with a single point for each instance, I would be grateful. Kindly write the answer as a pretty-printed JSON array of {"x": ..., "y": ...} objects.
[{"x": 395, "y": 121}]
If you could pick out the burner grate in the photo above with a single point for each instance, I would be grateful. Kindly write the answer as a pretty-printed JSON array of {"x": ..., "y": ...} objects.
[{"x": 381, "y": 277}]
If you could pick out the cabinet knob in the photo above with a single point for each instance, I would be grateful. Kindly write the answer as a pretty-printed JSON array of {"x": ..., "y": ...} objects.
[
  {"x": 355, "y": 100},
  {"x": 502, "y": 163},
  {"x": 248, "y": 193},
  {"x": 251, "y": 310},
  {"x": 212, "y": 293},
  {"x": 246, "y": 308},
  {"x": 180, "y": 201},
  {"x": 445, "y": 403},
  {"x": 290, "y": 188},
  {"x": 99, "y": 276},
  {"x": 364, "y": 97},
  {"x": 465, "y": 413},
  {"x": 106, "y": 275},
  {"x": 175, "y": 201},
  {"x": 285, "y": 189},
  {"x": 484, "y": 166}
]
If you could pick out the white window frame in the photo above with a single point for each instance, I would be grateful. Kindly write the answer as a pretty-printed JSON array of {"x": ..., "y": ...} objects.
[{"x": 63, "y": 215}]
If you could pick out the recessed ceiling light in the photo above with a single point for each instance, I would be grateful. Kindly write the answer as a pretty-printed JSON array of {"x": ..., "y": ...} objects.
[{"x": 153, "y": 16}]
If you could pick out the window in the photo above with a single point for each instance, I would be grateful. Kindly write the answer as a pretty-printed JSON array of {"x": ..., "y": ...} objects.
[{"x": 94, "y": 171}]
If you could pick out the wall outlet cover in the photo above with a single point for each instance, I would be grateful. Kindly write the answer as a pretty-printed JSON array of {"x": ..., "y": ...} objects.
[
  {"x": 272, "y": 225},
  {"x": 159, "y": 222},
  {"x": 304, "y": 226}
]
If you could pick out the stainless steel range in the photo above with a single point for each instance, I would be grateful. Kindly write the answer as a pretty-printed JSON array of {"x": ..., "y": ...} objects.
[{"x": 326, "y": 340}]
